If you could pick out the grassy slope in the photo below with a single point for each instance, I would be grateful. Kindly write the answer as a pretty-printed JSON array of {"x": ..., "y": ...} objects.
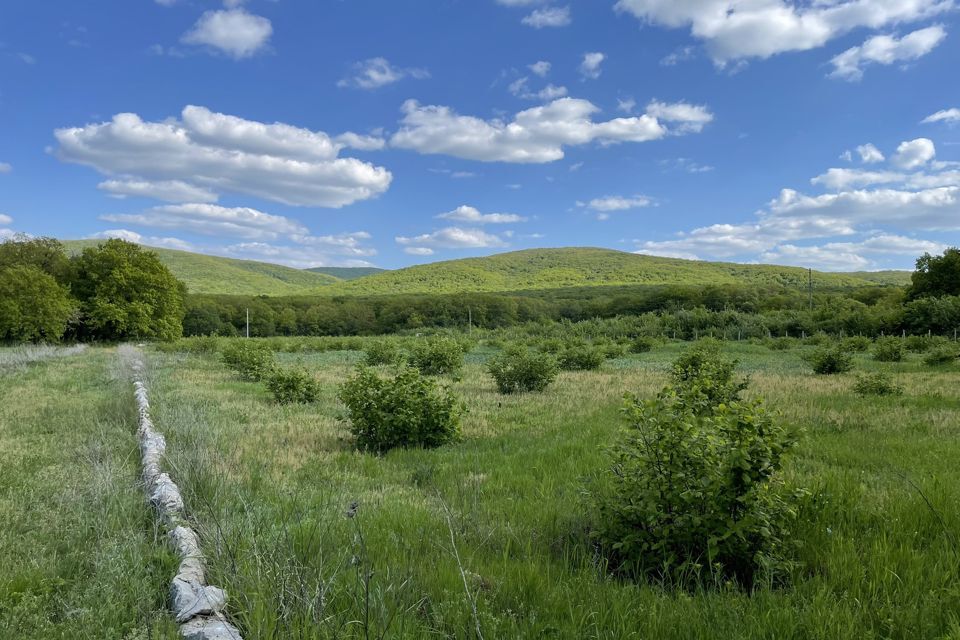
[
  {"x": 348, "y": 273},
  {"x": 212, "y": 274},
  {"x": 874, "y": 560},
  {"x": 575, "y": 267}
]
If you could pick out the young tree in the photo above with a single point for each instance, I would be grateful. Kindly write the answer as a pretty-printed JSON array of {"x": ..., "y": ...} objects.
[
  {"x": 33, "y": 305},
  {"x": 126, "y": 292}
]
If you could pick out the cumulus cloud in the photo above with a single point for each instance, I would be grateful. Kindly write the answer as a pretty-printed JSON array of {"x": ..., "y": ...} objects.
[
  {"x": 521, "y": 88},
  {"x": 378, "y": 72},
  {"x": 869, "y": 153},
  {"x": 5, "y": 219},
  {"x": 150, "y": 241},
  {"x": 221, "y": 153},
  {"x": 735, "y": 30},
  {"x": 465, "y": 213},
  {"x": 450, "y": 238},
  {"x": 167, "y": 190},
  {"x": 536, "y": 135},
  {"x": 590, "y": 66},
  {"x": 946, "y": 115},
  {"x": 214, "y": 220},
  {"x": 914, "y": 153},
  {"x": 235, "y": 32},
  {"x": 548, "y": 17},
  {"x": 540, "y": 68},
  {"x": 343, "y": 250},
  {"x": 886, "y": 50}
]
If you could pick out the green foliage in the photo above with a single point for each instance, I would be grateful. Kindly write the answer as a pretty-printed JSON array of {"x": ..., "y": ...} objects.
[
  {"x": 782, "y": 343},
  {"x": 293, "y": 386},
  {"x": 254, "y": 361},
  {"x": 383, "y": 352},
  {"x": 641, "y": 344},
  {"x": 518, "y": 369},
  {"x": 437, "y": 356},
  {"x": 126, "y": 292},
  {"x": 921, "y": 344},
  {"x": 855, "y": 344},
  {"x": 937, "y": 276},
  {"x": 888, "y": 349},
  {"x": 45, "y": 254},
  {"x": 704, "y": 377},
  {"x": 407, "y": 410},
  {"x": 878, "y": 383},
  {"x": 943, "y": 354},
  {"x": 581, "y": 357},
  {"x": 34, "y": 307},
  {"x": 692, "y": 488},
  {"x": 831, "y": 360}
]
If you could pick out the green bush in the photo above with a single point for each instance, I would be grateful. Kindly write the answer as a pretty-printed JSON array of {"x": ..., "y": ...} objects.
[
  {"x": 693, "y": 490},
  {"x": 782, "y": 343},
  {"x": 888, "y": 349},
  {"x": 641, "y": 344},
  {"x": 293, "y": 386},
  {"x": 252, "y": 360},
  {"x": 944, "y": 354},
  {"x": 383, "y": 352},
  {"x": 581, "y": 357},
  {"x": 437, "y": 356},
  {"x": 407, "y": 410},
  {"x": 855, "y": 344},
  {"x": 920, "y": 344},
  {"x": 876, "y": 384},
  {"x": 831, "y": 361},
  {"x": 518, "y": 369},
  {"x": 705, "y": 377}
]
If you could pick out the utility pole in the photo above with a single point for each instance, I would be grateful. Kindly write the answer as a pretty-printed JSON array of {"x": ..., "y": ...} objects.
[
  {"x": 248, "y": 322},
  {"x": 810, "y": 286}
]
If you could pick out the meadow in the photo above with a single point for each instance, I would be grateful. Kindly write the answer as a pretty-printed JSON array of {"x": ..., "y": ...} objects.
[{"x": 487, "y": 537}]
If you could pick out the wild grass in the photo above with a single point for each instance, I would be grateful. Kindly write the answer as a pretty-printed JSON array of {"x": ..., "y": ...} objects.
[
  {"x": 489, "y": 537},
  {"x": 79, "y": 555}
]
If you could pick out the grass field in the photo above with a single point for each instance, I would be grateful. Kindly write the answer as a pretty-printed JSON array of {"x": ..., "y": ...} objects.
[{"x": 487, "y": 537}]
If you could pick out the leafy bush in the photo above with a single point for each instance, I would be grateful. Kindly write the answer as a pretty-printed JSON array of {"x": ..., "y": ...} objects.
[
  {"x": 944, "y": 354},
  {"x": 855, "y": 344},
  {"x": 831, "y": 361},
  {"x": 782, "y": 343},
  {"x": 888, "y": 349},
  {"x": 705, "y": 377},
  {"x": 876, "y": 384},
  {"x": 581, "y": 357},
  {"x": 611, "y": 350},
  {"x": 383, "y": 352},
  {"x": 920, "y": 344},
  {"x": 293, "y": 386},
  {"x": 252, "y": 360},
  {"x": 408, "y": 410},
  {"x": 437, "y": 356},
  {"x": 641, "y": 344},
  {"x": 694, "y": 488},
  {"x": 518, "y": 369}
]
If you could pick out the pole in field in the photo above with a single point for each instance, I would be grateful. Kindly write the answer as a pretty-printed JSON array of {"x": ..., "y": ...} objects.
[
  {"x": 248, "y": 322},
  {"x": 810, "y": 286}
]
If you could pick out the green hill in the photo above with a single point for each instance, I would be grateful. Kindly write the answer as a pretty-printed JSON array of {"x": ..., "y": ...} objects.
[
  {"x": 899, "y": 278},
  {"x": 347, "y": 273},
  {"x": 535, "y": 269},
  {"x": 212, "y": 274}
]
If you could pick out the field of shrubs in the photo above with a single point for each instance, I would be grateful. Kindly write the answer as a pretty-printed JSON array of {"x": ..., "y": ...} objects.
[{"x": 567, "y": 481}]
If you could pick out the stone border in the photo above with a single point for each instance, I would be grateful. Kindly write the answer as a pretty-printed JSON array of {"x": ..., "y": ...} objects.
[{"x": 197, "y": 607}]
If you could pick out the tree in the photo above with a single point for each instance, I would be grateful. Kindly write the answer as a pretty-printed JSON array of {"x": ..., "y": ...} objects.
[
  {"x": 126, "y": 292},
  {"x": 937, "y": 275},
  {"x": 33, "y": 305},
  {"x": 46, "y": 254}
]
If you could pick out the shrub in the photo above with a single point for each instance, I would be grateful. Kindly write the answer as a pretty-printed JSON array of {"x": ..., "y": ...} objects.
[
  {"x": 581, "y": 357},
  {"x": 293, "y": 386},
  {"x": 691, "y": 488},
  {"x": 408, "y": 410},
  {"x": 782, "y": 344},
  {"x": 944, "y": 354},
  {"x": 855, "y": 344},
  {"x": 831, "y": 361},
  {"x": 437, "y": 356},
  {"x": 252, "y": 360},
  {"x": 876, "y": 384},
  {"x": 888, "y": 349},
  {"x": 383, "y": 352},
  {"x": 919, "y": 344},
  {"x": 611, "y": 350},
  {"x": 704, "y": 377},
  {"x": 641, "y": 344},
  {"x": 519, "y": 369}
]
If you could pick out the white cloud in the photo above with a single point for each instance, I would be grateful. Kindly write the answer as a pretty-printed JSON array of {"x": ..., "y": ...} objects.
[
  {"x": 118, "y": 234},
  {"x": 535, "y": 135},
  {"x": 214, "y": 220},
  {"x": 232, "y": 31},
  {"x": 627, "y": 106},
  {"x": 450, "y": 238},
  {"x": 914, "y": 153},
  {"x": 221, "y": 153},
  {"x": 5, "y": 167},
  {"x": 540, "y": 68},
  {"x": 5, "y": 219},
  {"x": 351, "y": 140},
  {"x": 472, "y": 215},
  {"x": 869, "y": 153},
  {"x": 548, "y": 17},
  {"x": 680, "y": 55},
  {"x": 838, "y": 179},
  {"x": 850, "y": 256},
  {"x": 419, "y": 251},
  {"x": 617, "y": 203},
  {"x": 378, "y": 72},
  {"x": 736, "y": 29},
  {"x": 590, "y": 66},
  {"x": 521, "y": 88},
  {"x": 847, "y": 156},
  {"x": 343, "y": 250},
  {"x": 945, "y": 115},
  {"x": 167, "y": 190},
  {"x": 886, "y": 50},
  {"x": 686, "y": 164}
]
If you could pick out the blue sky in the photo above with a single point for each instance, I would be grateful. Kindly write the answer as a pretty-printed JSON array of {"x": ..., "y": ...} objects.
[{"x": 819, "y": 133}]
